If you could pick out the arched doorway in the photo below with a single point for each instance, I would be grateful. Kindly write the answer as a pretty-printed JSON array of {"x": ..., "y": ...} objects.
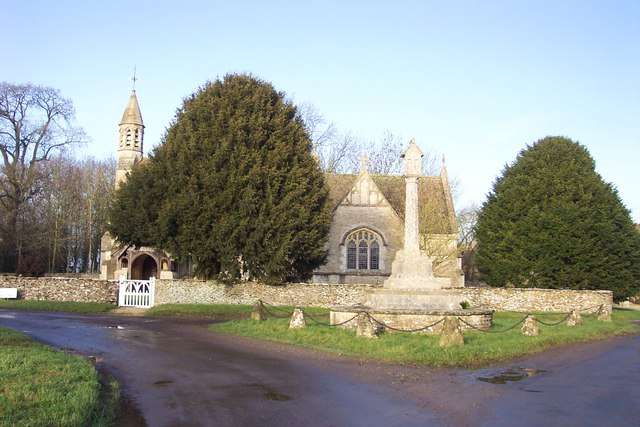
[{"x": 143, "y": 267}]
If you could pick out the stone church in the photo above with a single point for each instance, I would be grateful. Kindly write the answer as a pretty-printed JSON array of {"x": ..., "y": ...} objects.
[{"x": 367, "y": 228}]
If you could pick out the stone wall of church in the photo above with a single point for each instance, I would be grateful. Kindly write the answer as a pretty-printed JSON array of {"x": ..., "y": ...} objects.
[
  {"x": 381, "y": 219},
  {"x": 303, "y": 294}
]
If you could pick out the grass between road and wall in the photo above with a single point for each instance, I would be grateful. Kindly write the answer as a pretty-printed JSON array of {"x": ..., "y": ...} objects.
[
  {"x": 479, "y": 349},
  {"x": 41, "y": 386},
  {"x": 58, "y": 306},
  {"x": 212, "y": 311}
]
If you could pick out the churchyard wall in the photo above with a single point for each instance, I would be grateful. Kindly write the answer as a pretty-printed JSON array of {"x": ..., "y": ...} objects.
[
  {"x": 295, "y": 294},
  {"x": 62, "y": 289},
  {"x": 529, "y": 299}
]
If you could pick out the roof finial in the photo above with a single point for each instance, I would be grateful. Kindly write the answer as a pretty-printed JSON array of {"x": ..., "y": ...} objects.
[
  {"x": 364, "y": 161},
  {"x": 134, "y": 78}
]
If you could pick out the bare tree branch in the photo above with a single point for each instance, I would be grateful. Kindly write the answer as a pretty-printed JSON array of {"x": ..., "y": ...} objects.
[{"x": 35, "y": 123}]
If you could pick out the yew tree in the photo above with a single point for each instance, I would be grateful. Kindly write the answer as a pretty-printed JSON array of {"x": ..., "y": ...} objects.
[
  {"x": 551, "y": 221},
  {"x": 233, "y": 186}
]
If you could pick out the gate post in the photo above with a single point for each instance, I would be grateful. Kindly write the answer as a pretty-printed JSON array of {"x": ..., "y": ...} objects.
[
  {"x": 121, "y": 288},
  {"x": 152, "y": 290}
]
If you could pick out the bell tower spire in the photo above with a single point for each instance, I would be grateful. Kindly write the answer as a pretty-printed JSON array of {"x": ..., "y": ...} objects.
[{"x": 131, "y": 138}]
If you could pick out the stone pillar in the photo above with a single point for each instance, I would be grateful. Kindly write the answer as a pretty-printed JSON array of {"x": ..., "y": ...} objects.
[
  {"x": 364, "y": 326},
  {"x": 530, "y": 326},
  {"x": 604, "y": 314},
  {"x": 258, "y": 311},
  {"x": 411, "y": 215},
  {"x": 411, "y": 267},
  {"x": 297, "y": 320},
  {"x": 574, "y": 319},
  {"x": 451, "y": 334}
]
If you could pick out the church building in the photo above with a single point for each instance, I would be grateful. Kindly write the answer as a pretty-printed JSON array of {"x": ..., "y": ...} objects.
[{"x": 366, "y": 232}]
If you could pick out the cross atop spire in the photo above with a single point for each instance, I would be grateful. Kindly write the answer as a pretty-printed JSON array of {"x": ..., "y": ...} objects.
[{"x": 134, "y": 78}]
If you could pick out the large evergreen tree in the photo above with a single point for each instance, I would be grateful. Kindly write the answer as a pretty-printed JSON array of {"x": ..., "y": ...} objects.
[
  {"x": 552, "y": 222},
  {"x": 233, "y": 185}
]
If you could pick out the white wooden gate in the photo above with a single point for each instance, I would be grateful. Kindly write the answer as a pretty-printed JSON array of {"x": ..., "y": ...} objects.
[{"x": 136, "y": 293}]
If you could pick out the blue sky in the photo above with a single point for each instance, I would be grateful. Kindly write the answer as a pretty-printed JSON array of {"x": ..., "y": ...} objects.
[{"x": 474, "y": 80}]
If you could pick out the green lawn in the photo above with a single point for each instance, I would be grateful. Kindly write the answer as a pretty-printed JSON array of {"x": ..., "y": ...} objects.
[
  {"x": 41, "y": 386},
  {"x": 57, "y": 306},
  {"x": 211, "y": 311},
  {"x": 479, "y": 349}
]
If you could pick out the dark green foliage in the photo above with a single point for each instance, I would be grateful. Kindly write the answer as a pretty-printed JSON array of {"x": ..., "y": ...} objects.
[
  {"x": 233, "y": 179},
  {"x": 552, "y": 222}
]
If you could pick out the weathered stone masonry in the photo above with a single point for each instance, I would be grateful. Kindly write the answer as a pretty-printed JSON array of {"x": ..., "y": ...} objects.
[
  {"x": 62, "y": 289},
  {"x": 295, "y": 294}
]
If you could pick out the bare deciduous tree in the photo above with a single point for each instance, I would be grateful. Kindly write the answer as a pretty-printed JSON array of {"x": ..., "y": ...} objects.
[
  {"x": 385, "y": 156},
  {"x": 337, "y": 152},
  {"x": 467, "y": 218},
  {"x": 35, "y": 122}
]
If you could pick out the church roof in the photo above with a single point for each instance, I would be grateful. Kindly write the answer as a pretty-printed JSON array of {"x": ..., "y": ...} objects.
[
  {"x": 436, "y": 209},
  {"x": 132, "y": 113}
]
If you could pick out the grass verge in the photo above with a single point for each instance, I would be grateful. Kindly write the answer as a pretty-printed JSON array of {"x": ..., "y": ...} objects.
[
  {"x": 218, "y": 311},
  {"x": 479, "y": 349},
  {"x": 41, "y": 386},
  {"x": 200, "y": 311},
  {"x": 57, "y": 306}
]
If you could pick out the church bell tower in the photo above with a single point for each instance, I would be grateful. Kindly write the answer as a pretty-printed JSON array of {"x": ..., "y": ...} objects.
[{"x": 131, "y": 138}]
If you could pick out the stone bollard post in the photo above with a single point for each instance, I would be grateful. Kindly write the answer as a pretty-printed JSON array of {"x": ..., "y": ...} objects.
[
  {"x": 604, "y": 314},
  {"x": 530, "y": 326},
  {"x": 574, "y": 319},
  {"x": 451, "y": 333},
  {"x": 297, "y": 320},
  {"x": 364, "y": 326},
  {"x": 258, "y": 311}
]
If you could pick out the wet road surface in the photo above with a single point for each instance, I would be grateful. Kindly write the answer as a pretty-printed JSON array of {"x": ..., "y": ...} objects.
[{"x": 180, "y": 374}]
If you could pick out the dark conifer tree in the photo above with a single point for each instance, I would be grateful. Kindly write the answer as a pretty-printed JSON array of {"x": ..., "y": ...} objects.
[
  {"x": 234, "y": 185},
  {"x": 552, "y": 222}
]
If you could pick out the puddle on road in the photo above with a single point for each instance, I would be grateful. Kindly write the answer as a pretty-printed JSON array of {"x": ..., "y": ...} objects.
[
  {"x": 162, "y": 383},
  {"x": 510, "y": 375},
  {"x": 270, "y": 393}
]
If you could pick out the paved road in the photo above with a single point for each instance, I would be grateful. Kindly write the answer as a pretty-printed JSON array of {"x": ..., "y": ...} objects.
[{"x": 181, "y": 374}]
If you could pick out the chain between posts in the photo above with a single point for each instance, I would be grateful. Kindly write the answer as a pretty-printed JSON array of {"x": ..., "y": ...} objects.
[
  {"x": 328, "y": 324},
  {"x": 265, "y": 304},
  {"x": 384, "y": 325},
  {"x": 553, "y": 324},
  {"x": 595, "y": 307},
  {"x": 379, "y": 323},
  {"x": 491, "y": 332}
]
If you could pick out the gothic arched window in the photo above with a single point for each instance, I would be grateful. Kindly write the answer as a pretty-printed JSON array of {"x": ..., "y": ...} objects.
[
  {"x": 363, "y": 250},
  {"x": 136, "y": 139}
]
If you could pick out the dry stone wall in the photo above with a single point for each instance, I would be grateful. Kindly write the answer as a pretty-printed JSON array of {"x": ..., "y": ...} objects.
[
  {"x": 302, "y": 294},
  {"x": 62, "y": 289},
  {"x": 323, "y": 295},
  {"x": 296, "y": 294},
  {"x": 529, "y": 300}
]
